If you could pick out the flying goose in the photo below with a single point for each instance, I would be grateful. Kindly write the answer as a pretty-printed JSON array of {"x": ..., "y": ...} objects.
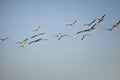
[
  {"x": 60, "y": 35},
  {"x": 115, "y": 25},
  {"x": 85, "y": 35},
  {"x": 37, "y": 29},
  {"x": 71, "y": 24},
  {"x": 101, "y": 18},
  {"x": 4, "y": 39},
  {"x": 23, "y": 43}
]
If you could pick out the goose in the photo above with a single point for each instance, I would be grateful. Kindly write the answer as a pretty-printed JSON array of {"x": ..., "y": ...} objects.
[
  {"x": 37, "y": 35},
  {"x": 101, "y": 18},
  {"x": 4, "y": 39},
  {"x": 37, "y": 29},
  {"x": 99, "y": 21},
  {"x": 86, "y": 30},
  {"x": 85, "y": 35},
  {"x": 89, "y": 23},
  {"x": 71, "y": 24},
  {"x": 110, "y": 29},
  {"x": 115, "y": 25},
  {"x": 60, "y": 35},
  {"x": 23, "y": 43}
]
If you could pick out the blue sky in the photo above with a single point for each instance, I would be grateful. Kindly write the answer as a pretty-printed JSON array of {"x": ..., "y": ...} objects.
[{"x": 97, "y": 57}]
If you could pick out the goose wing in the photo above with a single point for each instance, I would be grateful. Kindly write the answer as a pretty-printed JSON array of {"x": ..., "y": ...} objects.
[
  {"x": 92, "y": 22},
  {"x": 74, "y": 22}
]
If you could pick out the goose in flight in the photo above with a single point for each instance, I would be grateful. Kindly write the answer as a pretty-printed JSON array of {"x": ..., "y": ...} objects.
[
  {"x": 101, "y": 18},
  {"x": 60, "y": 35},
  {"x": 89, "y": 23},
  {"x": 37, "y": 29},
  {"x": 99, "y": 21},
  {"x": 37, "y": 35},
  {"x": 4, "y": 39},
  {"x": 115, "y": 25},
  {"x": 72, "y": 24},
  {"x": 112, "y": 28},
  {"x": 86, "y": 30},
  {"x": 85, "y": 35},
  {"x": 23, "y": 43}
]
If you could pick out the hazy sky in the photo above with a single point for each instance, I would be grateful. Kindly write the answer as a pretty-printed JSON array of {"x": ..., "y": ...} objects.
[{"x": 97, "y": 57}]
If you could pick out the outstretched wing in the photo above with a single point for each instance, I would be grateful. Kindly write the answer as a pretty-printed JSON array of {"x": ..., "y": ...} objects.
[
  {"x": 81, "y": 31},
  {"x": 74, "y": 22},
  {"x": 25, "y": 40},
  {"x": 92, "y": 22},
  {"x": 83, "y": 37},
  {"x": 41, "y": 34},
  {"x": 38, "y": 27},
  {"x": 68, "y": 24},
  {"x": 59, "y": 37},
  {"x": 31, "y": 42}
]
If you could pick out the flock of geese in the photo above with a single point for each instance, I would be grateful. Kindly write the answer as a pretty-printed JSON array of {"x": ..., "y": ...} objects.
[
  {"x": 24, "y": 42},
  {"x": 91, "y": 26}
]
